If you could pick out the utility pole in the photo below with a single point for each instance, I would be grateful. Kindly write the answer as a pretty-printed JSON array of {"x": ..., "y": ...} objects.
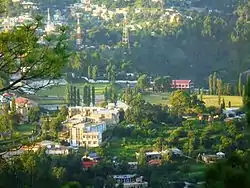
[{"x": 78, "y": 33}]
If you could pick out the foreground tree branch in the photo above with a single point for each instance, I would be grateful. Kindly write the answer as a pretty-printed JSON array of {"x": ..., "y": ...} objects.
[{"x": 24, "y": 59}]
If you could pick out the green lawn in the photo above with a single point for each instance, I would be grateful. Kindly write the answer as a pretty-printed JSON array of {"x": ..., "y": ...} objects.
[
  {"x": 25, "y": 129},
  {"x": 157, "y": 98},
  {"x": 125, "y": 151},
  {"x": 61, "y": 90},
  {"x": 212, "y": 100}
]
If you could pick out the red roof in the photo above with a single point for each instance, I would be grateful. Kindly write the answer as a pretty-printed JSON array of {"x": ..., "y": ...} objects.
[
  {"x": 181, "y": 84},
  {"x": 22, "y": 100},
  {"x": 88, "y": 164},
  {"x": 8, "y": 94},
  {"x": 181, "y": 81},
  {"x": 154, "y": 162}
]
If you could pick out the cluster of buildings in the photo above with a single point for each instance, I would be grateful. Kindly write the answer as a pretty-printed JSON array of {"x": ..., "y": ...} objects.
[
  {"x": 127, "y": 180},
  {"x": 87, "y": 124},
  {"x": 51, "y": 148}
]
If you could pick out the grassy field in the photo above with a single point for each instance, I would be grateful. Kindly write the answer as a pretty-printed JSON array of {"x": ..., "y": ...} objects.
[
  {"x": 212, "y": 100},
  {"x": 25, "y": 129},
  {"x": 126, "y": 150},
  {"x": 61, "y": 90},
  {"x": 157, "y": 98}
]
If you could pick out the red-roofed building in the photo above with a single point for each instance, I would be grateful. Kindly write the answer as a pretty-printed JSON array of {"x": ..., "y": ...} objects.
[
  {"x": 182, "y": 84},
  {"x": 88, "y": 162},
  {"x": 155, "y": 162},
  {"x": 22, "y": 107}
]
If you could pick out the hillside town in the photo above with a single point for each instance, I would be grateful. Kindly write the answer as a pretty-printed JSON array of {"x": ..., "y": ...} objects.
[{"x": 104, "y": 94}]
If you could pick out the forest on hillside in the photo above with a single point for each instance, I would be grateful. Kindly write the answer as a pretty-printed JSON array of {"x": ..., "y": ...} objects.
[
  {"x": 197, "y": 45},
  {"x": 192, "y": 47}
]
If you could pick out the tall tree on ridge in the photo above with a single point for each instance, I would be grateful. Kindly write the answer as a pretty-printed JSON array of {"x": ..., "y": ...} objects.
[
  {"x": 89, "y": 71},
  {"x": 219, "y": 90},
  {"x": 74, "y": 96},
  {"x": 93, "y": 95},
  {"x": 67, "y": 97},
  {"x": 88, "y": 95},
  {"x": 240, "y": 85},
  {"x": 78, "y": 97},
  {"x": 71, "y": 95},
  {"x": 214, "y": 83},
  {"x": 94, "y": 72},
  {"x": 210, "y": 84},
  {"x": 85, "y": 94},
  {"x": 106, "y": 94},
  {"x": 247, "y": 102}
]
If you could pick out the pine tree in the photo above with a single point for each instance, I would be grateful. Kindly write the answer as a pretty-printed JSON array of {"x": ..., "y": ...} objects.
[
  {"x": 67, "y": 97},
  {"x": 93, "y": 95},
  {"x": 214, "y": 83},
  {"x": 78, "y": 97},
  {"x": 210, "y": 83},
  {"x": 240, "y": 85}
]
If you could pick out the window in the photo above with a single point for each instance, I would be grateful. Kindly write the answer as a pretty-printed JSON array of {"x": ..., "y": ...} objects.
[
  {"x": 89, "y": 142},
  {"x": 94, "y": 142}
]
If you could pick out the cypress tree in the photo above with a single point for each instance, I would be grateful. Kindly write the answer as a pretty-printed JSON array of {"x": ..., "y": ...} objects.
[
  {"x": 71, "y": 96},
  {"x": 214, "y": 83},
  {"x": 201, "y": 94},
  {"x": 247, "y": 101},
  {"x": 240, "y": 85},
  {"x": 228, "y": 89},
  {"x": 13, "y": 105},
  {"x": 67, "y": 97},
  {"x": 78, "y": 97},
  {"x": 74, "y": 96},
  {"x": 88, "y": 95},
  {"x": 89, "y": 71},
  {"x": 223, "y": 104},
  {"x": 243, "y": 93},
  {"x": 229, "y": 104},
  {"x": 106, "y": 94},
  {"x": 210, "y": 84},
  {"x": 219, "y": 90},
  {"x": 93, "y": 95},
  {"x": 85, "y": 94}
]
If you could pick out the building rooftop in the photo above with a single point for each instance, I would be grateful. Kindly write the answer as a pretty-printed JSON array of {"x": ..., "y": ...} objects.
[
  {"x": 124, "y": 176},
  {"x": 153, "y": 153}
]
